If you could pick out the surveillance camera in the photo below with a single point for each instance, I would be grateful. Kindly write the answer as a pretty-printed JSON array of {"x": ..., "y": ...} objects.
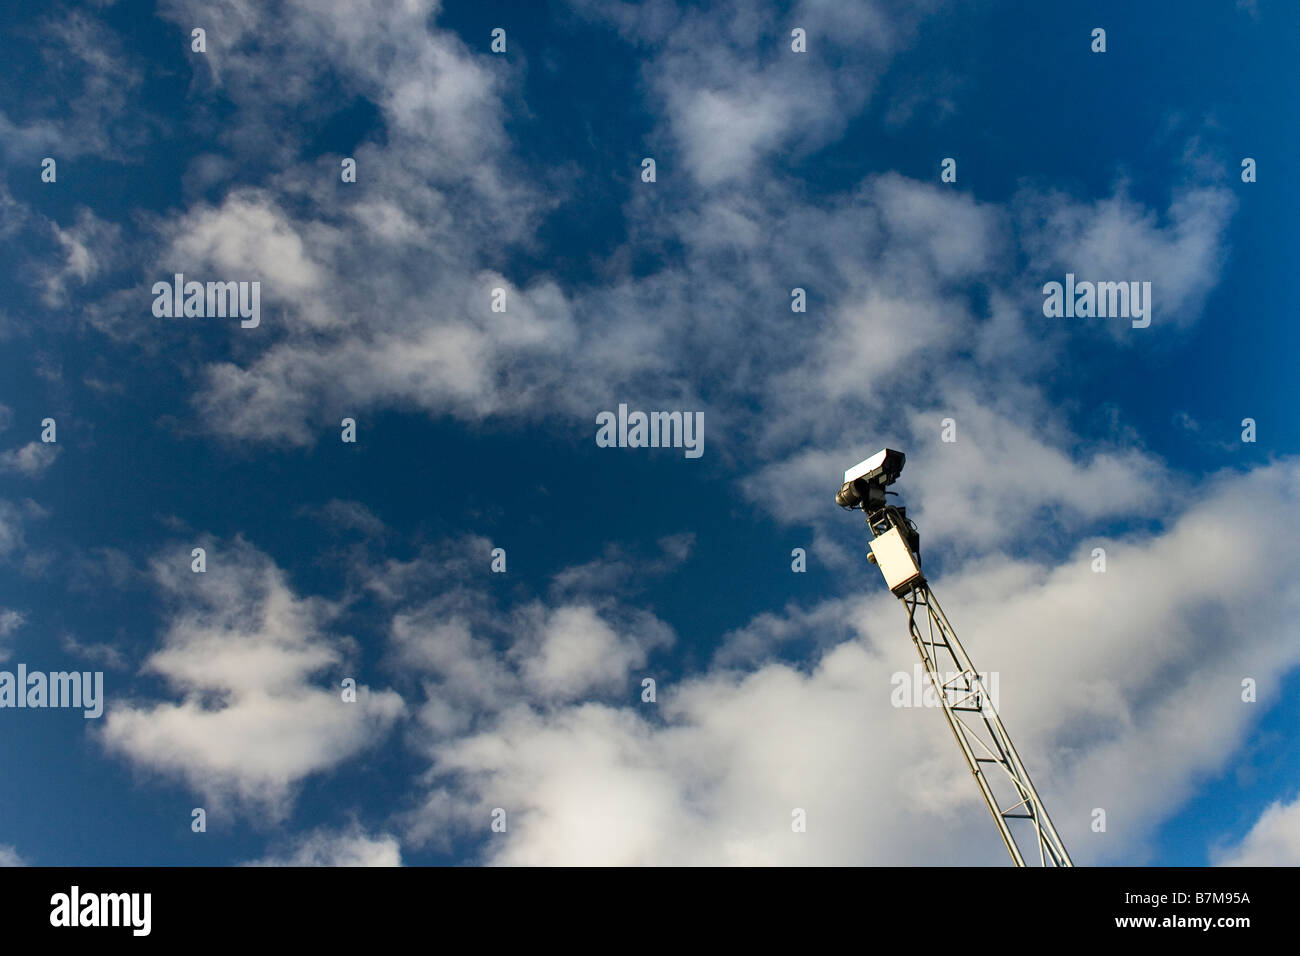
[
  {"x": 867, "y": 479},
  {"x": 885, "y": 465}
]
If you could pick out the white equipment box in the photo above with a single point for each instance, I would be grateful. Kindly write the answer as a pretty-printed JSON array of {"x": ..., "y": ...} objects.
[{"x": 895, "y": 561}]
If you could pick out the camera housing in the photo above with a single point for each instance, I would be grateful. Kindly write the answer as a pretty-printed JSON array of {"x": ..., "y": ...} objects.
[{"x": 865, "y": 483}]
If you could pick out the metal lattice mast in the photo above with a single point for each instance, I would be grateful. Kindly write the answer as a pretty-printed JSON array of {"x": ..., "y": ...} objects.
[{"x": 971, "y": 713}]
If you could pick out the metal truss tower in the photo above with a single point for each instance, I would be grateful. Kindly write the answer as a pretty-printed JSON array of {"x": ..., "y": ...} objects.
[{"x": 999, "y": 772}]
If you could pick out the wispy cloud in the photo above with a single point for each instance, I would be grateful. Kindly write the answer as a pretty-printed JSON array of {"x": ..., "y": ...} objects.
[
  {"x": 347, "y": 847},
  {"x": 30, "y": 459}
]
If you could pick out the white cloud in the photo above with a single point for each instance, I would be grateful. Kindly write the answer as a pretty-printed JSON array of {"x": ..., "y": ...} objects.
[
  {"x": 889, "y": 270},
  {"x": 30, "y": 459},
  {"x": 350, "y": 516},
  {"x": 889, "y": 265},
  {"x": 9, "y": 857},
  {"x": 351, "y": 847},
  {"x": 1118, "y": 239},
  {"x": 92, "y": 89},
  {"x": 618, "y": 571},
  {"x": 248, "y": 237},
  {"x": 1095, "y": 672},
  {"x": 521, "y": 707},
  {"x": 1012, "y": 473},
  {"x": 11, "y": 528},
  {"x": 10, "y": 621},
  {"x": 1274, "y": 840},
  {"x": 725, "y": 133},
  {"x": 88, "y": 248},
  {"x": 735, "y": 95},
  {"x": 258, "y": 678},
  {"x": 103, "y": 654},
  {"x": 474, "y": 659},
  {"x": 571, "y": 652},
  {"x": 1015, "y": 476}
]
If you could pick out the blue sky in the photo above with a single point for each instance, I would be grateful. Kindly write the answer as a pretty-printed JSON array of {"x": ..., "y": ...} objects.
[{"x": 476, "y": 429}]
